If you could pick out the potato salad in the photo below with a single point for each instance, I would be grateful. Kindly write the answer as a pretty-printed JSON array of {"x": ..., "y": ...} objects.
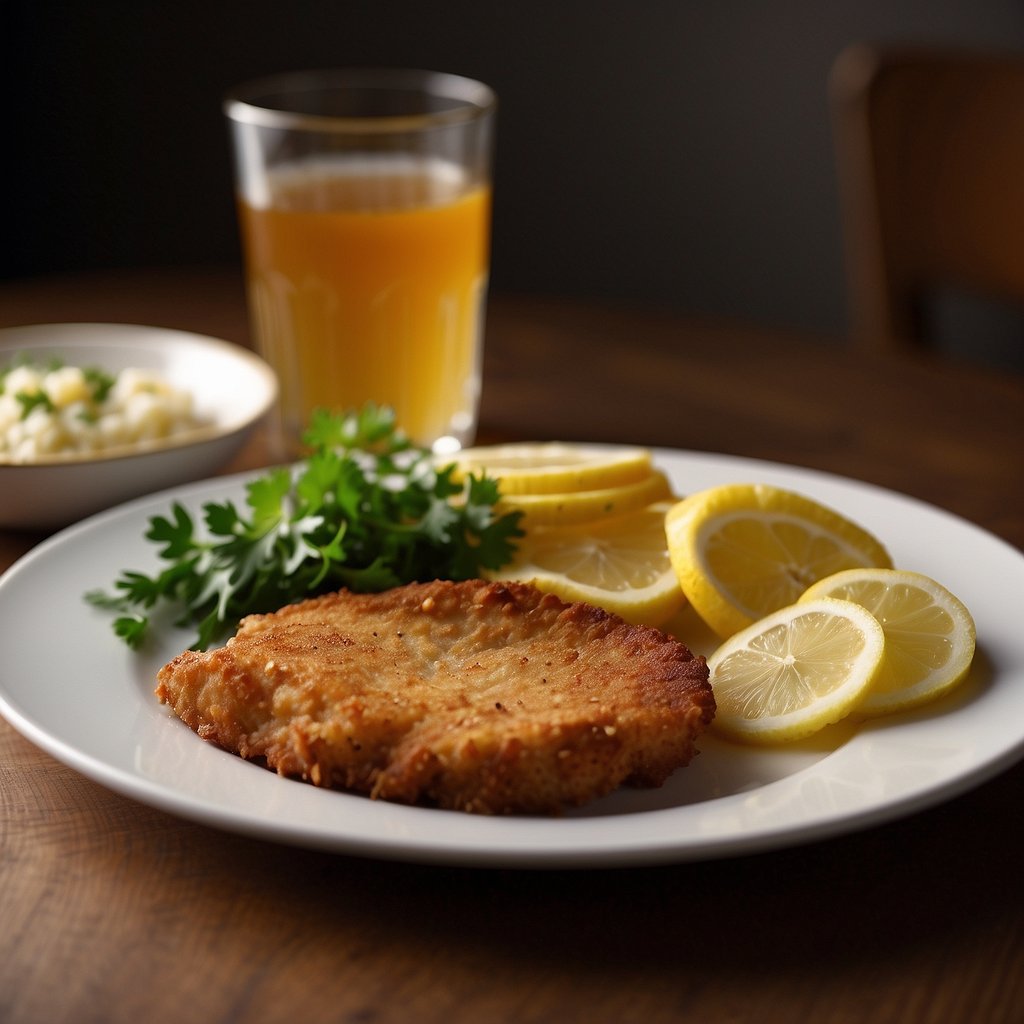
[{"x": 55, "y": 410}]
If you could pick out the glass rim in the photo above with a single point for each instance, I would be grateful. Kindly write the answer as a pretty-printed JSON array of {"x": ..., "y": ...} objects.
[{"x": 473, "y": 100}]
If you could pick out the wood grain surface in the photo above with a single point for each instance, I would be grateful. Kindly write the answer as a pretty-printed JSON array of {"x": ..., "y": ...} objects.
[{"x": 113, "y": 912}]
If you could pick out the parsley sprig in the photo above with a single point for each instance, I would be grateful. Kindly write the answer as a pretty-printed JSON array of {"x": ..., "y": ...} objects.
[
  {"x": 98, "y": 382},
  {"x": 365, "y": 510}
]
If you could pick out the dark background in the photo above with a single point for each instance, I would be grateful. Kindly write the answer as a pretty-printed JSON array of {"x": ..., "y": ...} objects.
[{"x": 671, "y": 153}]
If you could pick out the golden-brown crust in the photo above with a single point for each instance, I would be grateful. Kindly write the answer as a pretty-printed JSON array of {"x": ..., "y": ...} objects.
[{"x": 485, "y": 697}]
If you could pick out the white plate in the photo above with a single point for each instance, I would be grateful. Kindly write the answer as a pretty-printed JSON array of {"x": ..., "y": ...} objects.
[
  {"x": 231, "y": 390},
  {"x": 89, "y": 702}
]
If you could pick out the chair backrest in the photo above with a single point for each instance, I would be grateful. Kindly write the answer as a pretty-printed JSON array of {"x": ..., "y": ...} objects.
[{"x": 930, "y": 162}]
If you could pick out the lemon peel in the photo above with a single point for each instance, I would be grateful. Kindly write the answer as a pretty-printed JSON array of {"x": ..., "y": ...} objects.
[
  {"x": 553, "y": 467},
  {"x": 572, "y": 507}
]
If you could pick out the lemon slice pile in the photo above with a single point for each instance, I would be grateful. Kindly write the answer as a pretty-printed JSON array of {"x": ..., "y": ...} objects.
[
  {"x": 815, "y": 622},
  {"x": 594, "y": 521}
]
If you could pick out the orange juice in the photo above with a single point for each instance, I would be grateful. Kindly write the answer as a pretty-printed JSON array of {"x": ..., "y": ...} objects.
[{"x": 367, "y": 278}]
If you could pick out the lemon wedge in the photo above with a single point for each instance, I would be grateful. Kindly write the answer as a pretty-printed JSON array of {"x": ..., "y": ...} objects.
[
  {"x": 567, "y": 508},
  {"x": 795, "y": 671},
  {"x": 929, "y": 634},
  {"x": 742, "y": 551},
  {"x": 620, "y": 564},
  {"x": 533, "y": 467}
]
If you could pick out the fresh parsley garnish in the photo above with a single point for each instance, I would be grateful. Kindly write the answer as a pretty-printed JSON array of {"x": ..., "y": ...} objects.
[
  {"x": 30, "y": 400},
  {"x": 100, "y": 383},
  {"x": 365, "y": 510}
]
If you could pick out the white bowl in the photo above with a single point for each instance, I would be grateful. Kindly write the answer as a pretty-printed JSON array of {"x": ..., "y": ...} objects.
[{"x": 231, "y": 388}]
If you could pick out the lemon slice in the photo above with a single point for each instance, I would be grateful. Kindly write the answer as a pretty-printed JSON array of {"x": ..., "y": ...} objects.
[
  {"x": 741, "y": 551},
  {"x": 795, "y": 671},
  {"x": 620, "y": 564},
  {"x": 929, "y": 634},
  {"x": 554, "y": 467},
  {"x": 565, "y": 509}
]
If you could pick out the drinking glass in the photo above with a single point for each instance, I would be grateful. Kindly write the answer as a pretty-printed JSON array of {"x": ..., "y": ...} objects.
[{"x": 364, "y": 200}]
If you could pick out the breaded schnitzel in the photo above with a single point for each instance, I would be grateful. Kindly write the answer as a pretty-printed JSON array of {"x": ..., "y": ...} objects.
[{"x": 486, "y": 697}]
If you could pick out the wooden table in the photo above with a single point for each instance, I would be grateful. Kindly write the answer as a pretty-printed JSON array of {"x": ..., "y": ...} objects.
[{"x": 111, "y": 911}]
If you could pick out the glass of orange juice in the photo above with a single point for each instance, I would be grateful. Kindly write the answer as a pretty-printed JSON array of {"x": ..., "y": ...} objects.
[{"x": 364, "y": 201}]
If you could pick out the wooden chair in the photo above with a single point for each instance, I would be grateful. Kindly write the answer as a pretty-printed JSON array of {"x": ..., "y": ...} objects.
[{"x": 930, "y": 155}]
